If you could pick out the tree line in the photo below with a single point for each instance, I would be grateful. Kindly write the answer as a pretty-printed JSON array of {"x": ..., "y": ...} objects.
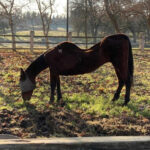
[
  {"x": 111, "y": 16},
  {"x": 12, "y": 15},
  {"x": 92, "y": 17}
]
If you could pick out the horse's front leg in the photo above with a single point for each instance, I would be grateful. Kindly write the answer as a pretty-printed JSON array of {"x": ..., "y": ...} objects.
[{"x": 53, "y": 82}]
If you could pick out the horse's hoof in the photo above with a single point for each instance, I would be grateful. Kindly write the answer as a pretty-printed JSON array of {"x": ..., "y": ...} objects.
[
  {"x": 114, "y": 99},
  {"x": 124, "y": 104},
  {"x": 51, "y": 102},
  {"x": 61, "y": 103}
]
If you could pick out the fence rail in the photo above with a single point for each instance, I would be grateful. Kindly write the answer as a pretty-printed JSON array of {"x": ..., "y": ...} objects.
[
  {"x": 33, "y": 40},
  {"x": 30, "y": 41}
]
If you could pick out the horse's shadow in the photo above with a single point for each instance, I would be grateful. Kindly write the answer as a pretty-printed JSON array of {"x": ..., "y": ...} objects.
[
  {"x": 59, "y": 121},
  {"x": 37, "y": 120}
]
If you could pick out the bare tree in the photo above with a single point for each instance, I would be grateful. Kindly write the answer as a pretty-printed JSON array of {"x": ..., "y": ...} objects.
[
  {"x": 109, "y": 16},
  {"x": 111, "y": 7},
  {"x": 78, "y": 8},
  {"x": 96, "y": 12},
  {"x": 136, "y": 14},
  {"x": 7, "y": 7},
  {"x": 46, "y": 12},
  {"x": 141, "y": 8},
  {"x": 91, "y": 15}
]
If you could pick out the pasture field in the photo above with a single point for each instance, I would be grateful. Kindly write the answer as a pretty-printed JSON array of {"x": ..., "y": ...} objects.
[{"x": 88, "y": 110}]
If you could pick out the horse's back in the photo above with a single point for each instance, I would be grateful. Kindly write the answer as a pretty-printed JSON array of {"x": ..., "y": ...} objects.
[
  {"x": 118, "y": 36},
  {"x": 68, "y": 59},
  {"x": 114, "y": 46},
  {"x": 114, "y": 41},
  {"x": 69, "y": 47},
  {"x": 63, "y": 57}
]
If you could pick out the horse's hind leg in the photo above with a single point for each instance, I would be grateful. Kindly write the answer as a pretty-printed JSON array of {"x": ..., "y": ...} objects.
[
  {"x": 124, "y": 78},
  {"x": 120, "y": 86},
  {"x": 118, "y": 91},
  {"x": 128, "y": 88}
]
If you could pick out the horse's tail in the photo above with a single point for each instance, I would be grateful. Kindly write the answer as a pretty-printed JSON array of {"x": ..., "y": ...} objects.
[{"x": 130, "y": 63}]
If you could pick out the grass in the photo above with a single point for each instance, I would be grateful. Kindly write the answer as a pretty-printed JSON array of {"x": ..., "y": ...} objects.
[{"x": 89, "y": 94}]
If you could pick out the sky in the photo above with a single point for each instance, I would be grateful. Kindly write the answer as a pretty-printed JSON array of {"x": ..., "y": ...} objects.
[{"x": 59, "y": 8}]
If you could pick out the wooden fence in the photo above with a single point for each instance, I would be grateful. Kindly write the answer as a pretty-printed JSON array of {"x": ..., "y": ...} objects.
[
  {"x": 38, "y": 42},
  {"x": 34, "y": 42}
]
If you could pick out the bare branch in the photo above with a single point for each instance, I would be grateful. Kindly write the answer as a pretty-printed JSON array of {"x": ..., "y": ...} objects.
[
  {"x": 46, "y": 12},
  {"x": 4, "y": 7},
  {"x": 11, "y": 6}
]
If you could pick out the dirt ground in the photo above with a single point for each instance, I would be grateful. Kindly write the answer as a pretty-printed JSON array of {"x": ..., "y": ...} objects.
[{"x": 62, "y": 123}]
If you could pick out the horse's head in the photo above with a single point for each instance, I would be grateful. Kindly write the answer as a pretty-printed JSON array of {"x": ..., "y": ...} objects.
[{"x": 26, "y": 85}]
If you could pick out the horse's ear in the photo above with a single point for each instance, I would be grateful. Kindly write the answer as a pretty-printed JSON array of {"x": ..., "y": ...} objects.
[{"x": 22, "y": 75}]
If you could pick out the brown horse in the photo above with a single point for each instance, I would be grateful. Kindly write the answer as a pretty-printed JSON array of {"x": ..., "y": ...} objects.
[{"x": 68, "y": 59}]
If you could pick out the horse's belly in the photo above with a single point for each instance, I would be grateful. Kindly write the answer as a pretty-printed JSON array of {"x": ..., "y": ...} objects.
[{"x": 79, "y": 69}]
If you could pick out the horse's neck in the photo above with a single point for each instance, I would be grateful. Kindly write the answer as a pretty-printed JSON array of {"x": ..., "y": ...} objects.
[{"x": 36, "y": 67}]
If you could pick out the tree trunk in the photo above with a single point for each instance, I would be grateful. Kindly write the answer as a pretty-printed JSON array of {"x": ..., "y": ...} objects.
[
  {"x": 47, "y": 42},
  {"x": 3, "y": 30},
  {"x": 111, "y": 16},
  {"x": 45, "y": 32},
  {"x": 134, "y": 34},
  {"x": 94, "y": 33},
  {"x": 12, "y": 33},
  {"x": 142, "y": 41},
  {"x": 134, "y": 37},
  {"x": 148, "y": 34},
  {"x": 148, "y": 22}
]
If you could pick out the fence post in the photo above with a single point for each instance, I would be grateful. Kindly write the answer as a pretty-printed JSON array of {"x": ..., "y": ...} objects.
[
  {"x": 70, "y": 36},
  {"x": 31, "y": 41},
  {"x": 13, "y": 42},
  {"x": 141, "y": 41}
]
